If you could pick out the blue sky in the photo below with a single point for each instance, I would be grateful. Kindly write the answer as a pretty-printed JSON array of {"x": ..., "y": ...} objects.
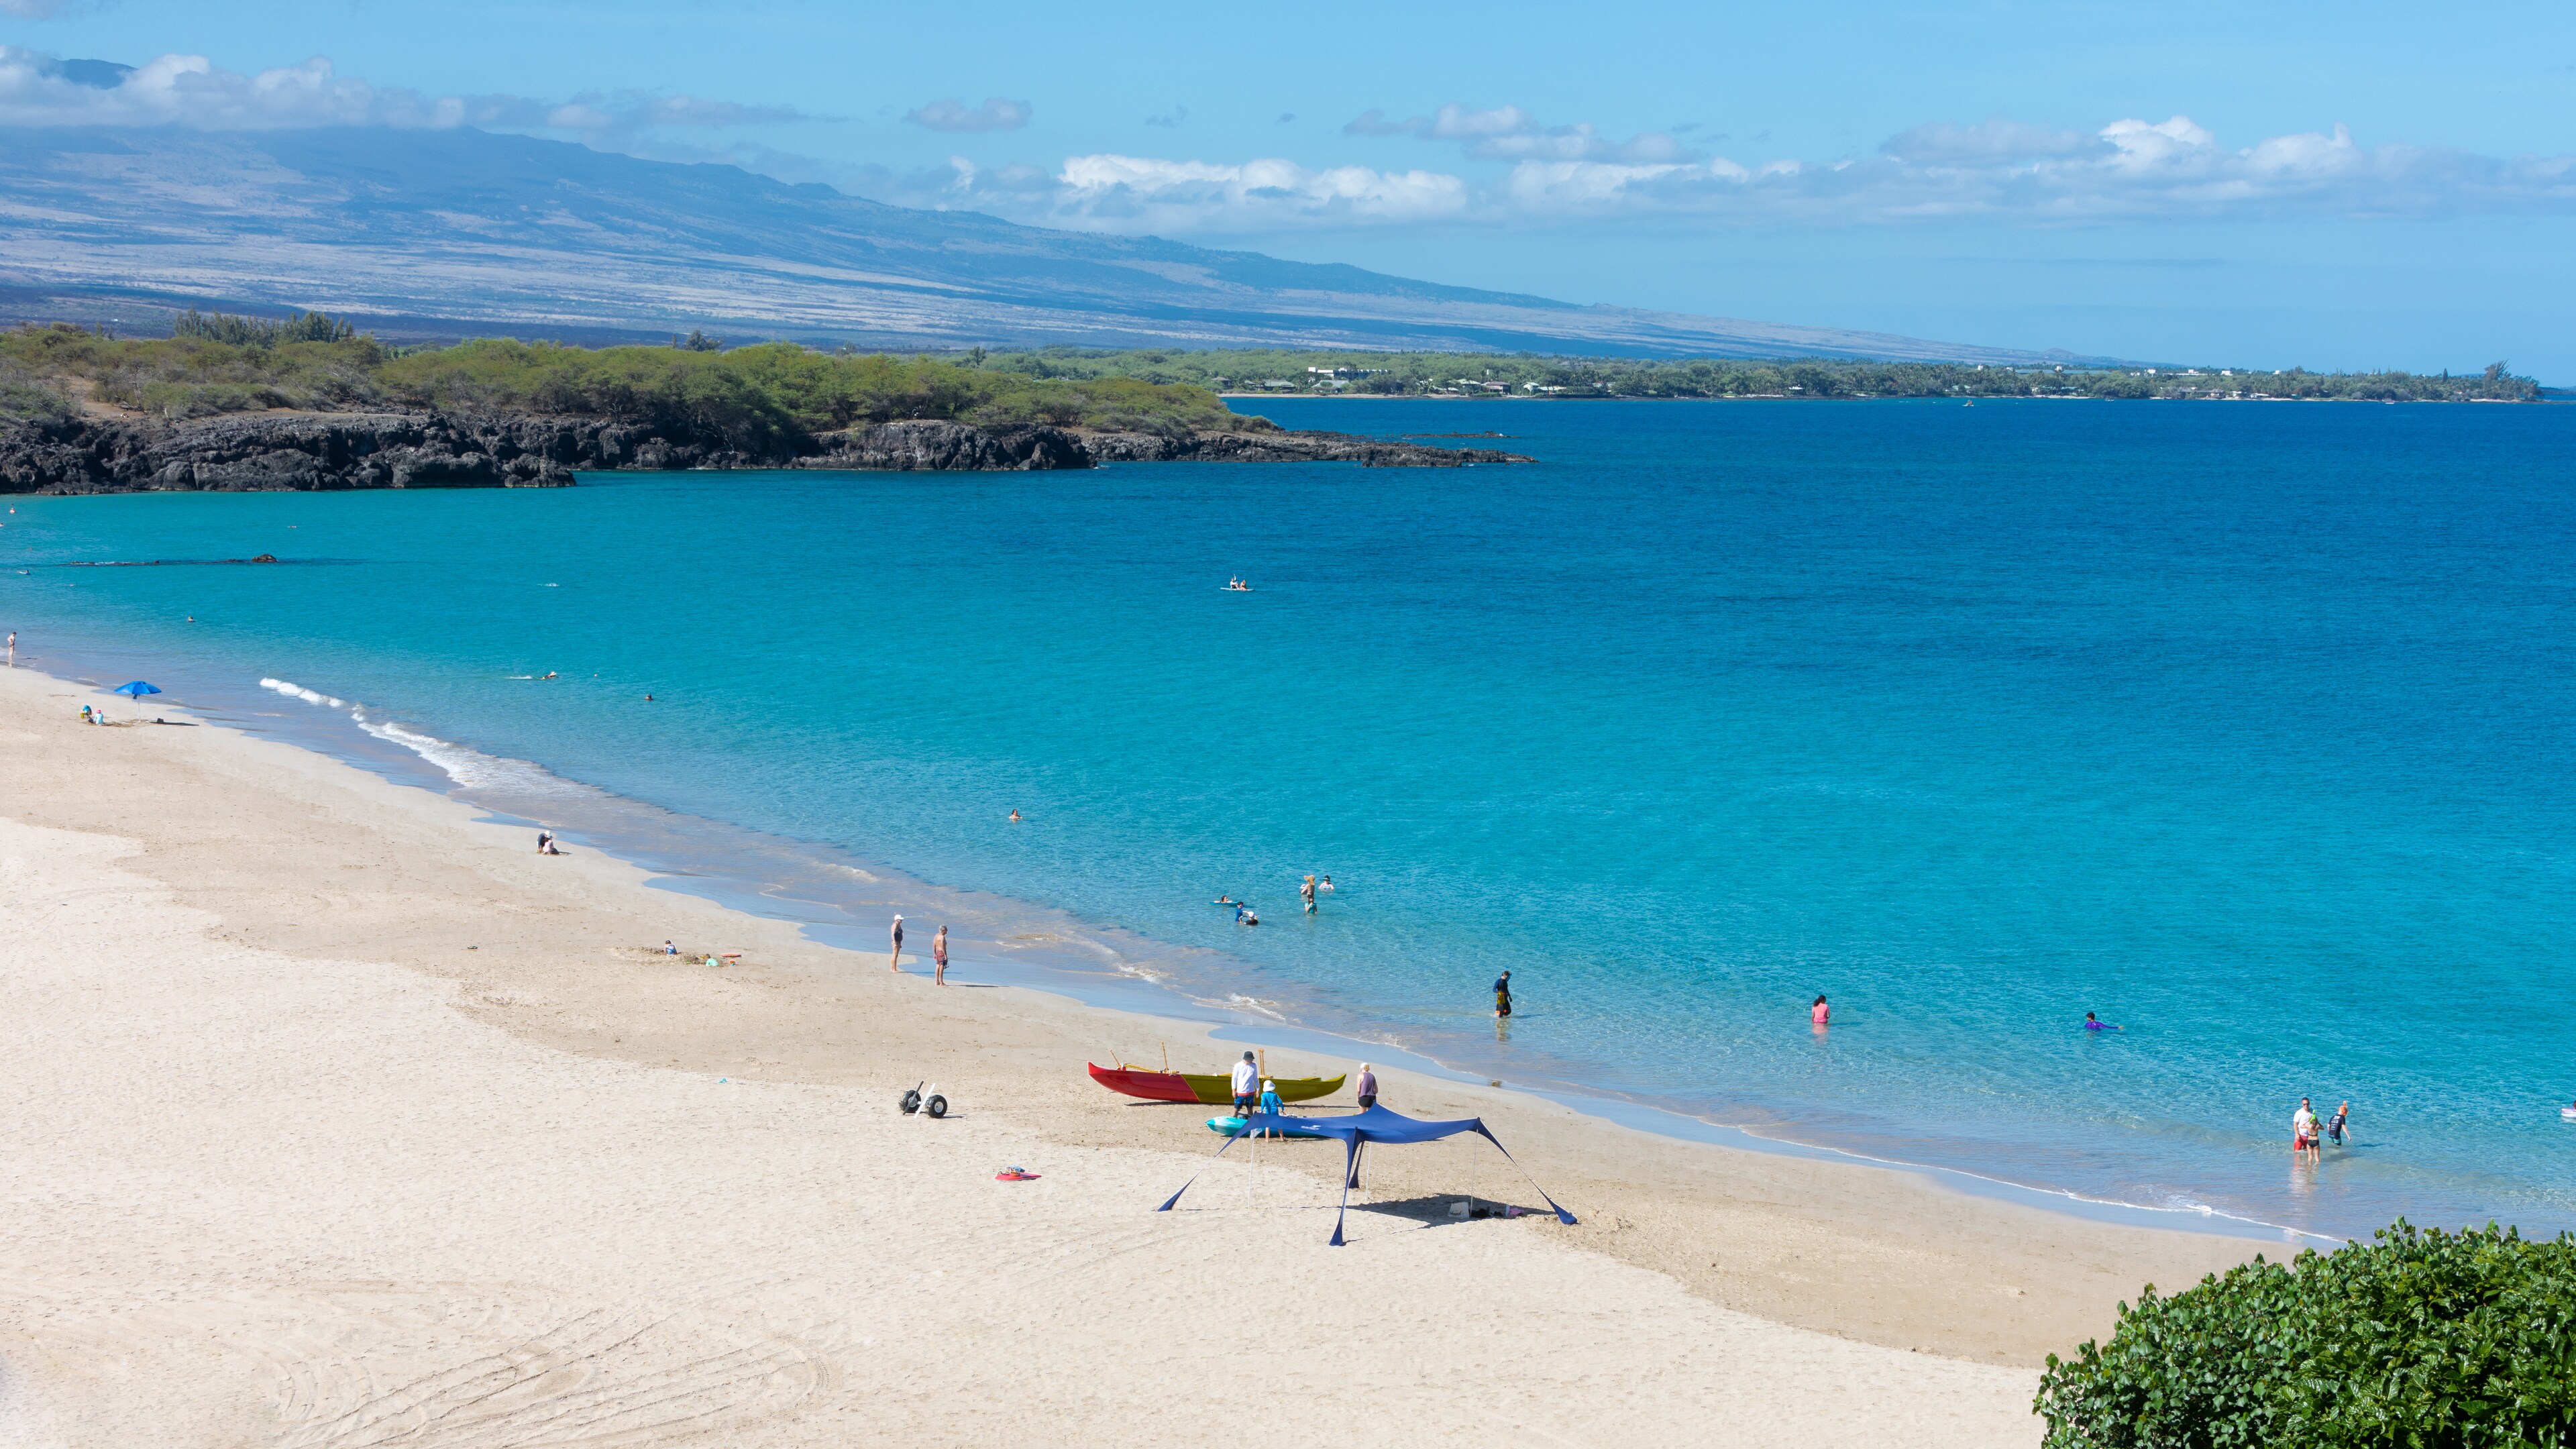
[{"x": 2347, "y": 186}]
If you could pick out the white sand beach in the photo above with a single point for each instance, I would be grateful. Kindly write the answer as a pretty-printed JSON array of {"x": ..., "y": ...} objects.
[{"x": 339, "y": 1119}]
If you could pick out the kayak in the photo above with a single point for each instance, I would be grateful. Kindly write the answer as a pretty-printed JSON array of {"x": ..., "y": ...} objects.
[
  {"x": 1215, "y": 1089},
  {"x": 1233, "y": 1127}
]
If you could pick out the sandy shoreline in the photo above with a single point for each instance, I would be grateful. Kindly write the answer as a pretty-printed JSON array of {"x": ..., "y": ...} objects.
[{"x": 331, "y": 1094}]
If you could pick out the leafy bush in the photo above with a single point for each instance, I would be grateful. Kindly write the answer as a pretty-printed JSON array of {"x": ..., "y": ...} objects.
[
  {"x": 756, "y": 397},
  {"x": 2417, "y": 1340},
  {"x": 259, "y": 331},
  {"x": 184, "y": 377},
  {"x": 779, "y": 388}
]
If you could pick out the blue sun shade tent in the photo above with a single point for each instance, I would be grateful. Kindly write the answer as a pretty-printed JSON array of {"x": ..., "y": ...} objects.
[{"x": 1377, "y": 1124}]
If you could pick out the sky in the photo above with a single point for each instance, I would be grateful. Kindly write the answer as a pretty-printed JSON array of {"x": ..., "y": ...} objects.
[{"x": 2348, "y": 186}]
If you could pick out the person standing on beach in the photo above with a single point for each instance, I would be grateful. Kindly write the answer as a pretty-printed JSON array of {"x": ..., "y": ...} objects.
[
  {"x": 13, "y": 648},
  {"x": 1367, "y": 1085},
  {"x": 939, "y": 958},
  {"x": 1502, "y": 996},
  {"x": 895, "y": 962},
  {"x": 1821, "y": 1014},
  {"x": 1247, "y": 1081}
]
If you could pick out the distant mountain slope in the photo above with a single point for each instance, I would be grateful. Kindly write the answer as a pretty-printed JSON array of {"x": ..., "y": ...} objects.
[{"x": 465, "y": 231}]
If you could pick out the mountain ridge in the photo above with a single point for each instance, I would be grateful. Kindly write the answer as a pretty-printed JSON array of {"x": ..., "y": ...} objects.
[{"x": 459, "y": 232}]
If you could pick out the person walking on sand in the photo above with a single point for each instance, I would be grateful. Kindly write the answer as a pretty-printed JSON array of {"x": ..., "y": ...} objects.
[
  {"x": 894, "y": 963},
  {"x": 939, "y": 958},
  {"x": 1247, "y": 1081},
  {"x": 1307, "y": 891},
  {"x": 13, "y": 648},
  {"x": 1821, "y": 1014},
  {"x": 1367, "y": 1086},
  {"x": 1502, "y": 996}
]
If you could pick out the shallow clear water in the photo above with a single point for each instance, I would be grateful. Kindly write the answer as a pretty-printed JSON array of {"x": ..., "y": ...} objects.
[{"x": 2246, "y": 726}]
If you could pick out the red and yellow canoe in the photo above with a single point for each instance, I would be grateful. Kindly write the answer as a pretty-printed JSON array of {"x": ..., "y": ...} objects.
[{"x": 1215, "y": 1089}]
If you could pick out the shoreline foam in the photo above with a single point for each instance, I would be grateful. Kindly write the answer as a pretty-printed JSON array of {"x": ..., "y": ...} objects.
[
  {"x": 487, "y": 780},
  {"x": 1860, "y": 1252}
]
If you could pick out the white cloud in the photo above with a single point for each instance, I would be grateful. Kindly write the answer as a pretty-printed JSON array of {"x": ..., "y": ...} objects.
[
  {"x": 1508, "y": 133},
  {"x": 996, "y": 114},
  {"x": 189, "y": 90},
  {"x": 1198, "y": 195},
  {"x": 2130, "y": 170}
]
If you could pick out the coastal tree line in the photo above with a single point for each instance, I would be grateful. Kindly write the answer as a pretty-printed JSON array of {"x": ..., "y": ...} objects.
[
  {"x": 750, "y": 395},
  {"x": 215, "y": 363},
  {"x": 1465, "y": 374}
]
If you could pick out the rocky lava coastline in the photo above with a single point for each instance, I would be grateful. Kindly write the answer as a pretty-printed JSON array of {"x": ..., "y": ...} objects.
[{"x": 308, "y": 451}]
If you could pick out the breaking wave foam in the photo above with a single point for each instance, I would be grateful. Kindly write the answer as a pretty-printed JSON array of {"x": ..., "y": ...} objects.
[
  {"x": 470, "y": 768},
  {"x": 298, "y": 691}
]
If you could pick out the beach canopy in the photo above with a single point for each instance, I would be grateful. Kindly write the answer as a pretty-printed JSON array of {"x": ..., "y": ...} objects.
[
  {"x": 135, "y": 688},
  {"x": 1377, "y": 1124}
]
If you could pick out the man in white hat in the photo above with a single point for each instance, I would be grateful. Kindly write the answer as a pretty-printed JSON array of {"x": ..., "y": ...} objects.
[{"x": 896, "y": 964}]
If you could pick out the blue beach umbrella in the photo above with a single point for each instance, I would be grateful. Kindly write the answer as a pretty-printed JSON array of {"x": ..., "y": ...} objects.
[{"x": 134, "y": 689}]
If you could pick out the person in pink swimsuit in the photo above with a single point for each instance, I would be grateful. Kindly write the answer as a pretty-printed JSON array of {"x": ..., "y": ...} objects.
[{"x": 1821, "y": 1014}]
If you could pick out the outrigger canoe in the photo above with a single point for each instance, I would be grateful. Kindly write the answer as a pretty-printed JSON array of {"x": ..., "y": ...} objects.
[{"x": 1214, "y": 1089}]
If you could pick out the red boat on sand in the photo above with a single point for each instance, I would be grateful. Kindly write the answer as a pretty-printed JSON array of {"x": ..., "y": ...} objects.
[{"x": 1213, "y": 1089}]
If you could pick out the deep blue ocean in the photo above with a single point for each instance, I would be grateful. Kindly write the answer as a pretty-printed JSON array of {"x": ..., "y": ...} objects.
[{"x": 2246, "y": 726}]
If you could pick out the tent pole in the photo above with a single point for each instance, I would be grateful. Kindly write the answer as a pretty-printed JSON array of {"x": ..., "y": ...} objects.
[{"x": 1351, "y": 1172}]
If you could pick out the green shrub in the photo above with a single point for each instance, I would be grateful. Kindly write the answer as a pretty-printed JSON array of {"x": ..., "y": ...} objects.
[
  {"x": 2416, "y": 1340},
  {"x": 259, "y": 331}
]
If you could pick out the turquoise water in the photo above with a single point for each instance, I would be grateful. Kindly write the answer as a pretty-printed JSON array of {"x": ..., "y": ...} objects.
[{"x": 2247, "y": 727}]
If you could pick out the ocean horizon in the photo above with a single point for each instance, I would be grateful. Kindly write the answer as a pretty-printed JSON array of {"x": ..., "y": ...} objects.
[{"x": 2245, "y": 728}]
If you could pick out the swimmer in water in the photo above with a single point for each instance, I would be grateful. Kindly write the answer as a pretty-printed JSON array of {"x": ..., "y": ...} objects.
[
  {"x": 1820, "y": 1013},
  {"x": 1326, "y": 888},
  {"x": 2095, "y": 1023},
  {"x": 1225, "y": 901},
  {"x": 1015, "y": 817}
]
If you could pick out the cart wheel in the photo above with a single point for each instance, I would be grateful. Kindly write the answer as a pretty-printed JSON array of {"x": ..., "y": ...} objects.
[
  {"x": 912, "y": 1103},
  {"x": 937, "y": 1106}
]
